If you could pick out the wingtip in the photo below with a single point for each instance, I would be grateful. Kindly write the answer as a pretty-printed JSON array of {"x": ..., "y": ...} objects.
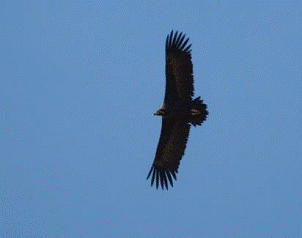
[
  {"x": 162, "y": 179},
  {"x": 177, "y": 41}
]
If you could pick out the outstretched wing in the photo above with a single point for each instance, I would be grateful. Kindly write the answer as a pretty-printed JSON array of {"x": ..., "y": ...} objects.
[
  {"x": 170, "y": 149},
  {"x": 179, "y": 69}
]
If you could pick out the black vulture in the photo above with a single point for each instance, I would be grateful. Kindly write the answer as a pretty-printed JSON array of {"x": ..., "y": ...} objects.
[{"x": 179, "y": 111}]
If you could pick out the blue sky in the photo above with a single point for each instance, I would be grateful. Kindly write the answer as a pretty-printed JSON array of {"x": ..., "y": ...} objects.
[{"x": 79, "y": 82}]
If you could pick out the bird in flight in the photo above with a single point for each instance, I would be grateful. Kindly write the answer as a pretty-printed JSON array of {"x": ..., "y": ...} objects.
[{"x": 179, "y": 111}]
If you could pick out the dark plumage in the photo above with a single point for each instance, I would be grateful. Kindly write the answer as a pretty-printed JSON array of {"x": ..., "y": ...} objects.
[{"x": 178, "y": 111}]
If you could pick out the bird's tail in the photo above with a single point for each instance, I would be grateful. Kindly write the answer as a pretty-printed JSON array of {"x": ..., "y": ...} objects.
[{"x": 198, "y": 112}]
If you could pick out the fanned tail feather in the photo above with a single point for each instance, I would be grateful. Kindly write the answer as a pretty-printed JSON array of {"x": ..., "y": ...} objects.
[{"x": 198, "y": 112}]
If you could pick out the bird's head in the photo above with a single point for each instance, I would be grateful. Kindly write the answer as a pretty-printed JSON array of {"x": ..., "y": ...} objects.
[{"x": 159, "y": 112}]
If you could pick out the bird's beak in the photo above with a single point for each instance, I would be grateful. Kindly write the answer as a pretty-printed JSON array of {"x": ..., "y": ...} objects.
[{"x": 158, "y": 112}]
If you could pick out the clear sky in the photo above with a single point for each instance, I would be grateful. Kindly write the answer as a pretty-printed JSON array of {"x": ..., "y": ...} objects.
[{"x": 79, "y": 82}]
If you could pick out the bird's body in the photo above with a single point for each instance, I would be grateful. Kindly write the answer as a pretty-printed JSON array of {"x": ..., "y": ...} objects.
[{"x": 178, "y": 111}]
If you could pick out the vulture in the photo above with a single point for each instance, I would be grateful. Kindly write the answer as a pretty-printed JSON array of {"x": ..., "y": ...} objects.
[{"x": 179, "y": 111}]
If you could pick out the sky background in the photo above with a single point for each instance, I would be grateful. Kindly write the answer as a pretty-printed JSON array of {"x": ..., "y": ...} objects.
[{"x": 79, "y": 82}]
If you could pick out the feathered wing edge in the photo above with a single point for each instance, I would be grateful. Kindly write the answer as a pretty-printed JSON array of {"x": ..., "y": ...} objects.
[
  {"x": 177, "y": 42},
  {"x": 170, "y": 150},
  {"x": 179, "y": 67},
  {"x": 162, "y": 177}
]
